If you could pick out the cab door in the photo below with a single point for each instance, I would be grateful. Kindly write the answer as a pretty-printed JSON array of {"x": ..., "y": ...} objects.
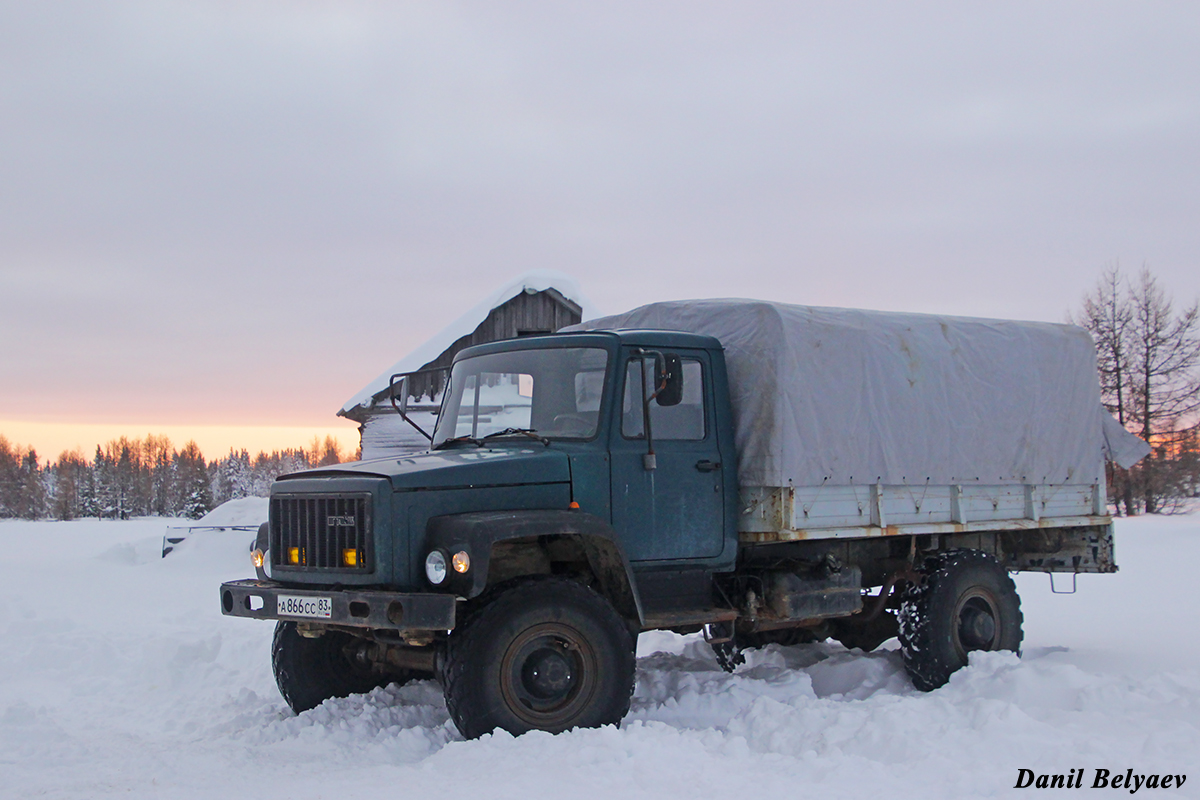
[{"x": 676, "y": 511}]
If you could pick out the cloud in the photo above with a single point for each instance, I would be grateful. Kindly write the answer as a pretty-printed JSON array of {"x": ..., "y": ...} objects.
[{"x": 243, "y": 210}]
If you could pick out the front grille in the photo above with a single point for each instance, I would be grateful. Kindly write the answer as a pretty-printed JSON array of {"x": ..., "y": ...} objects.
[{"x": 316, "y": 531}]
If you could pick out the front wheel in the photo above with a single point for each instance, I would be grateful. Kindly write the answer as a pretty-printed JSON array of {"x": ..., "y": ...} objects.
[
  {"x": 311, "y": 671},
  {"x": 967, "y": 602},
  {"x": 548, "y": 654}
]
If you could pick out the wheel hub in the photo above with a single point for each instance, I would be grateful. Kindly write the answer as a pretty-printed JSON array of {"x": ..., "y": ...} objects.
[
  {"x": 977, "y": 626},
  {"x": 547, "y": 673}
]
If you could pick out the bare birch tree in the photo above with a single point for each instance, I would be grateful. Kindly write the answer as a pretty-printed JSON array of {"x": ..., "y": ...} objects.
[
  {"x": 1148, "y": 358},
  {"x": 1165, "y": 354},
  {"x": 1108, "y": 316}
]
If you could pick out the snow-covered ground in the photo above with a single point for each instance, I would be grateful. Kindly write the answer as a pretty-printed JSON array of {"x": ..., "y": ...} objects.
[{"x": 119, "y": 677}]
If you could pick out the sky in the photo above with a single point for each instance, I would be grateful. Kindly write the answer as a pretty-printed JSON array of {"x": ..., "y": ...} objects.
[{"x": 233, "y": 215}]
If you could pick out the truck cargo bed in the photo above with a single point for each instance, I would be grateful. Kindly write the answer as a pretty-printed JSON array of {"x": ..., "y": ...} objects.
[{"x": 777, "y": 514}]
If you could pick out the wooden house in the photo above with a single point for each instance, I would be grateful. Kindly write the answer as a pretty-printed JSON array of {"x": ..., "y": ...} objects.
[{"x": 535, "y": 303}]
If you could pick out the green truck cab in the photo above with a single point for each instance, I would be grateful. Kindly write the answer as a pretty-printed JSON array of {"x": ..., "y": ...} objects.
[
  {"x": 536, "y": 485},
  {"x": 582, "y": 487}
]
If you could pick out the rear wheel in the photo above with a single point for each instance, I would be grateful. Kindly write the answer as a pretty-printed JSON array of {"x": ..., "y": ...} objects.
[
  {"x": 311, "y": 671},
  {"x": 547, "y": 654},
  {"x": 967, "y": 602}
]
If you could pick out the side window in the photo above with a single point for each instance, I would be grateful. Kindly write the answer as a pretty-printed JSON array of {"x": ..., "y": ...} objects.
[{"x": 684, "y": 421}]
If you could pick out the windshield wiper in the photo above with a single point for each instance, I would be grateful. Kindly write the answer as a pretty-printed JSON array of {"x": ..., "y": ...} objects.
[
  {"x": 530, "y": 432},
  {"x": 471, "y": 439}
]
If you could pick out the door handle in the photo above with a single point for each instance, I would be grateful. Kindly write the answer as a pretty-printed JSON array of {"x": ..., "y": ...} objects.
[{"x": 708, "y": 466}]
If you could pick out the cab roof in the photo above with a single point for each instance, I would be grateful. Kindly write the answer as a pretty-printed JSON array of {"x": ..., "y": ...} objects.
[{"x": 610, "y": 338}]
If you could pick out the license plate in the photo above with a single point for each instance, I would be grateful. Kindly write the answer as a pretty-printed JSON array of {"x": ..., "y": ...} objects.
[{"x": 292, "y": 606}]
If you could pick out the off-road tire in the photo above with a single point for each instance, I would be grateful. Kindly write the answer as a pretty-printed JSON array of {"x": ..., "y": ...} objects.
[
  {"x": 967, "y": 602},
  {"x": 311, "y": 671},
  {"x": 540, "y": 654}
]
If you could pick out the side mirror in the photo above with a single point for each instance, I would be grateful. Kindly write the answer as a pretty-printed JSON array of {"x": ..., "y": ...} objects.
[
  {"x": 399, "y": 393},
  {"x": 668, "y": 374},
  {"x": 398, "y": 389}
]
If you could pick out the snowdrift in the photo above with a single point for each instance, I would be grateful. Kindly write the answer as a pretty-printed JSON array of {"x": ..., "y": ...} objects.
[{"x": 120, "y": 677}]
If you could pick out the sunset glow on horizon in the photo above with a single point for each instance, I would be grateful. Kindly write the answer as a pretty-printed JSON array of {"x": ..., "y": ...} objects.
[
  {"x": 50, "y": 439},
  {"x": 231, "y": 218}
]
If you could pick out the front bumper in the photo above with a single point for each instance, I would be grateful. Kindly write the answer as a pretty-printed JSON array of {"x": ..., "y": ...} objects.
[{"x": 258, "y": 599}]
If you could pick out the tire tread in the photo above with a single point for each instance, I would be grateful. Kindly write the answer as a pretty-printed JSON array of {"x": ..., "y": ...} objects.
[
  {"x": 926, "y": 659},
  {"x": 501, "y": 603}
]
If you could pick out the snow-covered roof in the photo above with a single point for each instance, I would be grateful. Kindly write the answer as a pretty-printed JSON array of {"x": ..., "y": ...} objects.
[{"x": 538, "y": 280}]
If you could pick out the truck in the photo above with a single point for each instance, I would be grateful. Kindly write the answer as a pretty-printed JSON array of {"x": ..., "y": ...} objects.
[{"x": 756, "y": 472}]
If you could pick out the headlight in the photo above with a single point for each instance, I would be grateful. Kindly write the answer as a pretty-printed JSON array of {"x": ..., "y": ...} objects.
[
  {"x": 461, "y": 561},
  {"x": 257, "y": 558},
  {"x": 435, "y": 567}
]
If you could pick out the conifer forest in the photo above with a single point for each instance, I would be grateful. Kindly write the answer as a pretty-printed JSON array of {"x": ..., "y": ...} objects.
[{"x": 142, "y": 477}]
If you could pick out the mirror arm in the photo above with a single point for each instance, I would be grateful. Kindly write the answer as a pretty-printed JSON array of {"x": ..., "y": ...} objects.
[
  {"x": 649, "y": 460},
  {"x": 400, "y": 408}
]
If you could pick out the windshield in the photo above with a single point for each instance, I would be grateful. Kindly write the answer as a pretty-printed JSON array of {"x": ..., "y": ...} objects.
[{"x": 554, "y": 392}]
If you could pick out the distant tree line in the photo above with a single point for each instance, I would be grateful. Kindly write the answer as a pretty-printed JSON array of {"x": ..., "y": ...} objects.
[
  {"x": 142, "y": 477},
  {"x": 1148, "y": 355}
]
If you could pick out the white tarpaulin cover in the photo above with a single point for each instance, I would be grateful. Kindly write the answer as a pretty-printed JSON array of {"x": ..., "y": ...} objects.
[{"x": 842, "y": 396}]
